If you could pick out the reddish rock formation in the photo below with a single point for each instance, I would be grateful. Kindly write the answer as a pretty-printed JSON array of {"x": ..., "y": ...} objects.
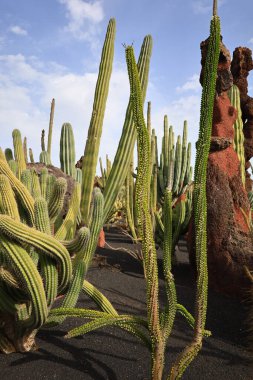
[
  {"x": 241, "y": 65},
  {"x": 229, "y": 244}
]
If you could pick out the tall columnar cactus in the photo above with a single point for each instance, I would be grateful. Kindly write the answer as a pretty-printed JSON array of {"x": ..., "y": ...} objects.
[
  {"x": 67, "y": 150},
  {"x": 18, "y": 152},
  {"x": 95, "y": 129},
  {"x": 50, "y": 130},
  {"x": 234, "y": 96},
  {"x": 125, "y": 148},
  {"x": 199, "y": 195}
]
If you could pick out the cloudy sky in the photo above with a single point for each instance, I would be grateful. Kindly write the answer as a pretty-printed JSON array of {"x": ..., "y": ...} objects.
[{"x": 51, "y": 48}]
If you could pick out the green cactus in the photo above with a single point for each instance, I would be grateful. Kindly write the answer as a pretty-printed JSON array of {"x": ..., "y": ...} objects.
[
  {"x": 234, "y": 96},
  {"x": 67, "y": 150},
  {"x": 125, "y": 148},
  {"x": 50, "y": 130},
  {"x": 31, "y": 155},
  {"x": 44, "y": 158},
  {"x": 95, "y": 129},
  {"x": 199, "y": 195},
  {"x": 8, "y": 154},
  {"x": 18, "y": 152}
]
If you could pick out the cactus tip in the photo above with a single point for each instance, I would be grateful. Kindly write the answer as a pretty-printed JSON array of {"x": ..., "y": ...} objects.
[{"x": 215, "y": 7}]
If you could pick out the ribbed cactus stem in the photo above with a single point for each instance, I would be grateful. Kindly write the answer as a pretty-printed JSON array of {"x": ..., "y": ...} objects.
[
  {"x": 95, "y": 128},
  {"x": 50, "y": 130},
  {"x": 36, "y": 191},
  {"x": 44, "y": 158},
  {"x": 21, "y": 233},
  {"x": 70, "y": 219},
  {"x": 26, "y": 179},
  {"x": 47, "y": 264},
  {"x": 55, "y": 203},
  {"x": 20, "y": 190},
  {"x": 31, "y": 281},
  {"x": 199, "y": 197},
  {"x": 8, "y": 154},
  {"x": 8, "y": 204},
  {"x": 125, "y": 149},
  {"x": 43, "y": 182},
  {"x": 234, "y": 95},
  {"x": 43, "y": 140},
  {"x": 18, "y": 152},
  {"x": 31, "y": 155},
  {"x": 144, "y": 218},
  {"x": 67, "y": 150},
  {"x": 25, "y": 149}
]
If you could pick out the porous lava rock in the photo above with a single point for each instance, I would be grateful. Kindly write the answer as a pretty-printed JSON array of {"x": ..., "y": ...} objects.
[
  {"x": 229, "y": 244},
  {"x": 241, "y": 65}
]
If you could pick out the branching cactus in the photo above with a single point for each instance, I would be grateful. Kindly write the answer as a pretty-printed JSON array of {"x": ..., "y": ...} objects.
[{"x": 155, "y": 330}]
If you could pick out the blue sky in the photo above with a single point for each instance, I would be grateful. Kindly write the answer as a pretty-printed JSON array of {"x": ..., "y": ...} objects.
[{"x": 51, "y": 48}]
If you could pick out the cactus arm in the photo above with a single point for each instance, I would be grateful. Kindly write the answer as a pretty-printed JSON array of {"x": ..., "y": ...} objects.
[
  {"x": 55, "y": 203},
  {"x": 8, "y": 204},
  {"x": 44, "y": 243},
  {"x": 20, "y": 190},
  {"x": 67, "y": 150},
  {"x": 31, "y": 155},
  {"x": 167, "y": 252},
  {"x": 79, "y": 242},
  {"x": 144, "y": 218},
  {"x": 47, "y": 264},
  {"x": 50, "y": 130},
  {"x": 18, "y": 152},
  {"x": 102, "y": 302},
  {"x": 8, "y": 154},
  {"x": 26, "y": 179},
  {"x": 35, "y": 184},
  {"x": 43, "y": 182},
  {"x": 95, "y": 128},
  {"x": 124, "y": 152},
  {"x": 199, "y": 198},
  {"x": 234, "y": 95},
  {"x": 25, "y": 150},
  {"x": 31, "y": 281},
  {"x": 72, "y": 213}
]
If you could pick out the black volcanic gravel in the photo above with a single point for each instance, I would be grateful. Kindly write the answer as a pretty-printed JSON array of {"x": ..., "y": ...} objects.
[{"x": 113, "y": 354}]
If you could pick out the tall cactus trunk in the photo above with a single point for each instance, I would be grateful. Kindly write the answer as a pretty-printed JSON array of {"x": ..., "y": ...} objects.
[{"x": 95, "y": 129}]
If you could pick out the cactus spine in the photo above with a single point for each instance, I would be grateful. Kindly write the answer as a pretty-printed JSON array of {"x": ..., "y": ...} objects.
[
  {"x": 18, "y": 152},
  {"x": 234, "y": 95},
  {"x": 124, "y": 152},
  {"x": 50, "y": 130},
  {"x": 67, "y": 150},
  {"x": 95, "y": 128},
  {"x": 199, "y": 195}
]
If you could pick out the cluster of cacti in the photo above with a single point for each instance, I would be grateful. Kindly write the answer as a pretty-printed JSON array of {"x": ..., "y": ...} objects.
[
  {"x": 36, "y": 211},
  {"x": 174, "y": 168},
  {"x": 44, "y": 254},
  {"x": 156, "y": 330}
]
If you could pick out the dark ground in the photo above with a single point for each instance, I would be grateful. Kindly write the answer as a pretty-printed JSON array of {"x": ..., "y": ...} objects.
[{"x": 113, "y": 354}]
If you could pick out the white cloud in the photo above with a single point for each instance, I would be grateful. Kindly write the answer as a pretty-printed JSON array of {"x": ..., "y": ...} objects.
[
  {"x": 83, "y": 18},
  {"x": 251, "y": 41},
  {"x": 26, "y": 90},
  {"x": 16, "y": 29},
  {"x": 203, "y": 6},
  {"x": 192, "y": 84}
]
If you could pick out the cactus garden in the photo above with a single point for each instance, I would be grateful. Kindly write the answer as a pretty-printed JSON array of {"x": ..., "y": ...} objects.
[{"x": 136, "y": 264}]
